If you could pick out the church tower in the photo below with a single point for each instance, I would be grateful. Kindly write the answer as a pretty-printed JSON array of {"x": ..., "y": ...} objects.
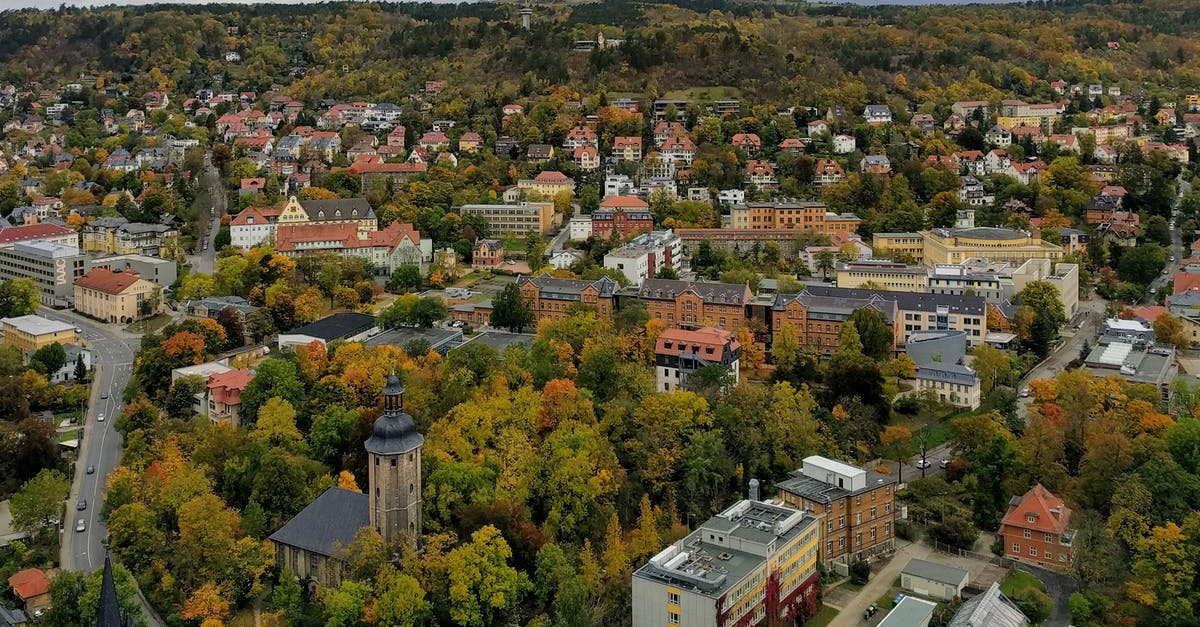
[{"x": 394, "y": 468}]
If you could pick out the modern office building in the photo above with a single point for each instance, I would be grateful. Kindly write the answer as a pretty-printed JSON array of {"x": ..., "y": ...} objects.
[
  {"x": 513, "y": 219},
  {"x": 910, "y": 245},
  {"x": 51, "y": 265},
  {"x": 754, "y": 563},
  {"x": 163, "y": 272}
]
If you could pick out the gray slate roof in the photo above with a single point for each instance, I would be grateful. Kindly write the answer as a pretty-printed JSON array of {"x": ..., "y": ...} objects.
[
  {"x": 910, "y": 301},
  {"x": 325, "y": 210},
  {"x": 327, "y": 523},
  {"x": 712, "y": 293},
  {"x": 950, "y": 373},
  {"x": 936, "y": 572}
]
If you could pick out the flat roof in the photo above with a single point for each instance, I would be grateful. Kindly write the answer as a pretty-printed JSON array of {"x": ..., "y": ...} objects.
[
  {"x": 500, "y": 340},
  {"x": 37, "y": 325},
  {"x": 909, "y": 612},
  {"x": 437, "y": 337},
  {"x": 44, "y": 248},
  {"x": 1114, "y": 354}
]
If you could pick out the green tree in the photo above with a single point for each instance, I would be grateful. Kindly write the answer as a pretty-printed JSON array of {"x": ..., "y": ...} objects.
[
  {"x": 276, "y": 423},
  {"x": 399, "y": 600},
  {"x": 874, "y": 332},
  {"x": 274, "y": 377},
  {"x": 40, "y": 501},
  {"x": 80, "y": 373},
  {"x": 992, "y": 365},
  {"x": 49, "y": 359},
  {"x": 825, "y": 263},
  {"x": 1044, "y": 300},
  {"x": 406, "y": 278},
  {"x": 1142, "y": 264},
  {"x": 483, "y": 587},
  {"x": 510, "y": 311},
  {"x": 429, "y": 310},
  {"x": 18, "y": 297},
  {"x": 535, "y": 250},
  {"x": 181, "y": 396}
]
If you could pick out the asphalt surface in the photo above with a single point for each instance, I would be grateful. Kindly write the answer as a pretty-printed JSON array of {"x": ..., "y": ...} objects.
[
  {"x": 205, "y": 260},
  {"x": 100, "y": 446},
  {"x": 1059, "y": 586}
]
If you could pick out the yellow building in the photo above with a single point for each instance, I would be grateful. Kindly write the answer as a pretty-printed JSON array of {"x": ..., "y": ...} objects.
[
  {"x": 336, "y": 211},
  {"x": 30, "y": 333},
  {"x": 909, "y": 244},
  {"x": 118, "y": 236},
  {"x": 753, "y": 564},
  {"x": 884, "y": 275},
  {"x": 516, "y": 219},
  {"x": 546, "y": 184},
  {"x": 985, "y": 242},
  {"x": 116, "y": 296}
]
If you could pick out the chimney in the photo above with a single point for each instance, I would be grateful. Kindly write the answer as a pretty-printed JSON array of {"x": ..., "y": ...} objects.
[{"x": 754, "y": 489}]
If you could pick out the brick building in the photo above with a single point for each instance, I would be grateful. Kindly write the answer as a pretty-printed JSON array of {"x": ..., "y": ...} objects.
[
  {"x": 858, "y": 506},
  {"x": 1036, "y": 529},
  {"x": 550, "y": 298},
  {"x": 691, "y": 304},
  {"x": 625, "y": 215}
]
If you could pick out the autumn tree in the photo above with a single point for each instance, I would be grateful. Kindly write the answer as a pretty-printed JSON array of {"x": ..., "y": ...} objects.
[
  {"x": 276, "y": 424},
  {"x": 483, "y": 587},
  {"x": 1169, "y": 330},
  {"x": 1045, "y": 303}
]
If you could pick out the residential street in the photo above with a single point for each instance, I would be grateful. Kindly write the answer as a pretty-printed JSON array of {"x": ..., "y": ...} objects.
[
  {"x": 1093, "y": 310},
  {"x": 205, "y": 260}
]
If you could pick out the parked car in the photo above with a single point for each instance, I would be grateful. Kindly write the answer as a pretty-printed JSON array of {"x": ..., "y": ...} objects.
[
  {"x": 1025, "y": 393},
  {"x": 944, "y": 464},
  {"x": 81, "y": 505},
  {"x": 922, "y": 463},
  {"x": 80, "y": 525}
]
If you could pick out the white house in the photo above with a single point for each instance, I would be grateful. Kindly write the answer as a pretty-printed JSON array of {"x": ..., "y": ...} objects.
[{"x": 843, "y": 144}]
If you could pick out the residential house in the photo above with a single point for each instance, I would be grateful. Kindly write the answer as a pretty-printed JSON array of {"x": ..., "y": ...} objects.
[
  {"x": 844, "y": 144},
  {"x": 989, "y": 609},
  {"x": 876, "y": 164},
  {"x": 999, "y": 136},
  {"x": 680, "y": 352},
  {"x": 817, "y": 127},
  {"x": 580, "y": 136},
  {"x": 750, "y": 143},
  {"x": 587, "y": 158},
  {"x": 32, "y": 588},
  {"x": 469, "y": 142},
  {"x": 678, "y": 149},
  {"x": 792, "y": 145},
  {"x": 877, "y": 114},
  {"x": 40, "y": 232},
  {"x": 1036, "y": 529},
  {"x": 489, "y": 253},
  {"x": 221, "y": 399},
  {"x": 760, "y": 174},
  {"x": 828, "y": 172},
  {"x": 624, "y": 215},
  {"x": 540, "y": 153},
  {"x": 627, "y": 148}
]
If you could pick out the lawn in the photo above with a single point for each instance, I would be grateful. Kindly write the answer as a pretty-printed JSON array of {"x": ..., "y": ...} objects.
[
  {"x": 823, "y": 617},
  {"x": 63, "y": 436},
  {"x": 704, "y": 94},
  {"x": 150, "y": 325},
  {"x": 1018, "y": 581}
]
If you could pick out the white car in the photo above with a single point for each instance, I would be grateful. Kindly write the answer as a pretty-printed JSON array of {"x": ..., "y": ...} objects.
[
  {"x": 80, "y": 525},
  {"x": 100, "y": 418},
  {"x": 1025, "y": 393},
  {"x": 922, "y": 463}
]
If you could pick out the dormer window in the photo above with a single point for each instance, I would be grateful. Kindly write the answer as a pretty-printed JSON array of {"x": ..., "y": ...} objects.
[{"x": 1030, "y": 518}]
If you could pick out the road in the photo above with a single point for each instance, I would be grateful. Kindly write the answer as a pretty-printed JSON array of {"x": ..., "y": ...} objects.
[
  {"x": 100, "y": 447},
  {"x": 1093, "y": 312},
  {"x": 204, "y": 260}
]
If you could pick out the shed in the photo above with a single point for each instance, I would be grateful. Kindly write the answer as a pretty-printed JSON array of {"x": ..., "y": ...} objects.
[{"x": 933, "y": 580}]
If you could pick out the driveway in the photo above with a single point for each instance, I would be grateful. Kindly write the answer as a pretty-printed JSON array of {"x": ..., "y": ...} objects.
[{"x": 1059, "y": 587}]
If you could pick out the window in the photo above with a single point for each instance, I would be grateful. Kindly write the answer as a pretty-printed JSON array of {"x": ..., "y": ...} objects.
[
  {"x": 872, "y": 513},
  {"x": 1027, "y": 534},
  {"x": 673, "y": 618},
  {"x": 411, "y": 488},
  {"x": 1016, "y": 548},
  {"x": 841, "y": 521},
  {"x": 393, "y": 462},
  {"x": 858, "y": 539},
  {"x": 673, "y": 598},
  {"x": 1032, "y": 551},
  {"x": 841, "y": 543},
  {"x": 858, "y": 500},
  {"x": 1030, "y": 518},
  {"x": 1049, "y": 537}
]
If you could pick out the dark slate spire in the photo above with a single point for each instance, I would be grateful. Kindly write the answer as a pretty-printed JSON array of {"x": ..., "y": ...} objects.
[
  {"x": 394, "y": 432},
  {"x": 109, "y": 612}
]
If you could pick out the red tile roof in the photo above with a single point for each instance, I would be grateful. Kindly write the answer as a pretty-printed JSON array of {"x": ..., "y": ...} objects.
[
  {"x": 261, "y": 215},
  {"x": 704, "y": 337},
  {"x": 1050, "y": 514},
  {"x": 26, "y": 232},
  {"x": 226, "y": 387},
  {"x": 551, "y": 176},
  {"x": 29, "y": 583},
  {"x": 107, "y": 281},
  {"x": 624, "y": 202},
  {"x": 1185, "y": 282},
  {"x": 347, "y": 233},
  {"x": 1150, "y": 313}
]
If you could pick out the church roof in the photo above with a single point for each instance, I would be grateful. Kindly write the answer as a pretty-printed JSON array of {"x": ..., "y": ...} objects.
[
  {"x": 109, "y": 612},
  {"x": 327, "y": 523}
]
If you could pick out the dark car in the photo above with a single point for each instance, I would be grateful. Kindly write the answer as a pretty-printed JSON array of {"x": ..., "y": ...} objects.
[{"x": 81, "y": 505}]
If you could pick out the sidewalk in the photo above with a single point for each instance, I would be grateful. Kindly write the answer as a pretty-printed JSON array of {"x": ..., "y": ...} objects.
[{"x": 881, "y": 582}]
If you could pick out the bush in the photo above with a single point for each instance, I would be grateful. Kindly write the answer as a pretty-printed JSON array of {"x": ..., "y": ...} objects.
[
  {"x": 906, "y": 405},
  {"x": 1081, "y": 609},
  {"x": 955, "y": 530},
  {"x": 905, "y": 530},
  {"x": 1035, "y": 604},
  {"x": 860, "y": 572}
]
